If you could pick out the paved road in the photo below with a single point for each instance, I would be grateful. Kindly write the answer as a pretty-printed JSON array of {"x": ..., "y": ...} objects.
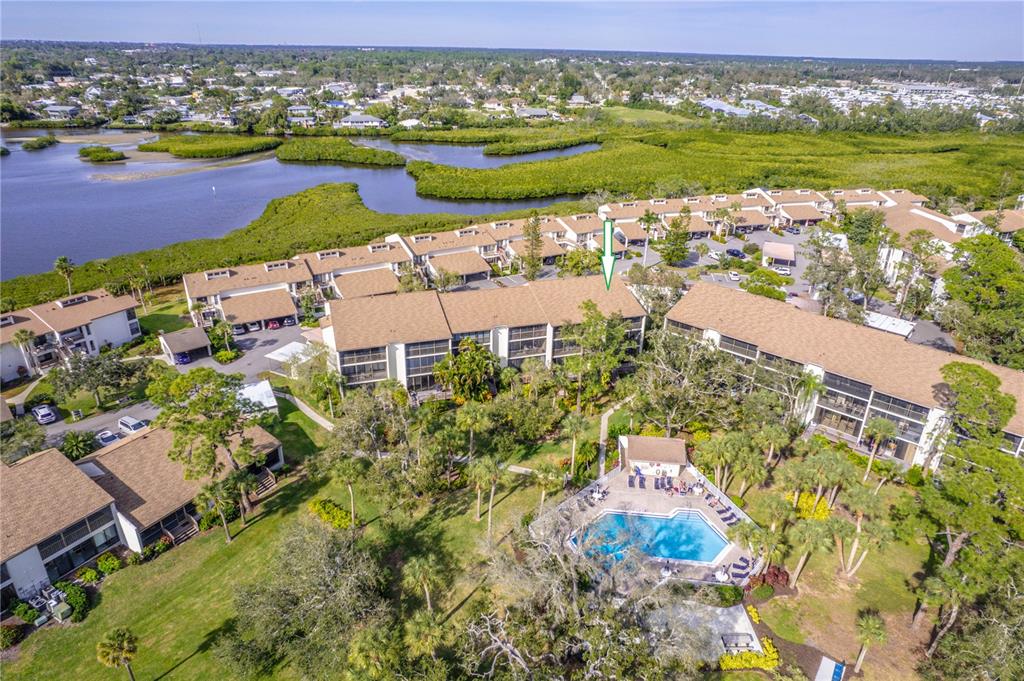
[{"x": 106, "y": 421}]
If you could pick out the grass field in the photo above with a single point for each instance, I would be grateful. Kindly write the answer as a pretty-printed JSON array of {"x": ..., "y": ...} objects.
[
  {"x": 626, "y": 114},
  {"x": 179, "y": 603}
]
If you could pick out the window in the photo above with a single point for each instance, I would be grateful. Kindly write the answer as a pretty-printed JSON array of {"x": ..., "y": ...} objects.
[
  {"x": 465, "y": 232},
  {"x": 328, "y": 254},
  {"x": 429, "y": 348},
  {"x": 424, "y": 382},
  {"x": 899, "y": 407},
  {"x": 847, "y": 385},
  {"x": 777, "y": 363},
  {"x": 528, "y": 341},
  {"x": 561, "y": 347},
  {"x": 362, "y": 373},
  {"x": 421, "y": 238},
  {"x": 905, "y": 429},
  {"x": 479, "y": 337},
  {"x": 82, "y": 553},
  {"x": 217, "y": 274},
  {"x": 74, "y": 533},
  {"x": 130, "y": 313},
  {"x": 524, "y": 332},
  {"x": 844, "y": 404},
  {"x": 682, "y": 327},
  {"x": 4, "y": 574},
  {"x": 738, "y": 347},
  {"x": 367, "y": 355},
  {"x": 271, "y": 266}
]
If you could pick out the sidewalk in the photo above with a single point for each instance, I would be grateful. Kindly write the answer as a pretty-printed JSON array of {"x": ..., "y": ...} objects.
[{"x": 307, "y": 410}]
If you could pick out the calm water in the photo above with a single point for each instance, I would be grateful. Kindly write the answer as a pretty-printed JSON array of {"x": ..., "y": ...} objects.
[
  {"x": 52, "y": 205},
  {"x": 684, "y": 536}
]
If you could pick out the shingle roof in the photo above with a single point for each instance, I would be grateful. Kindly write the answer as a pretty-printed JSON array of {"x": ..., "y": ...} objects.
[
  {"x": 54, "y": 316},
  {"x": 183, "y": 340},
  {"x": 887, "y": 362},
  {"x": 463, "y": 264},
  {"x": 43, "y": 494},
  {"x": 802, "y": 212},
  {"x": 247, "y": 276},
  {"x": 1013, "y": 220},
  {"x": 255, "y": 307},
  {"x": 485, "y": 309},
  {"x": 145, "y": 484},
  {"x": 378, "y": 320},
  {"x": 663, "y": 449},
  {"x": 334, "y": 259},
  {"x": 904, "y": 219},
  {"x": 366, "y": 283},
  {"x": 561, "y": 298},
  {"x": 420, "y": 244}
]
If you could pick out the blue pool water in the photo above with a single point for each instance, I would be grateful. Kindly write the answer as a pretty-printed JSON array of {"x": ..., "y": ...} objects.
[{"x": 683, "y": 536}]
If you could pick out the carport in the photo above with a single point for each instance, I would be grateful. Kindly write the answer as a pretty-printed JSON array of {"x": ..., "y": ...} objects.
[
  {"x": 777, "y": 253},
  {"x": 191, "y": 342},
  {"x": 469, "y": 265},
  {"x": 259, "y": 307}
]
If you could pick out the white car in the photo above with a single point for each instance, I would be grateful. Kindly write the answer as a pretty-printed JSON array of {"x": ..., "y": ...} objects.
[
  {"x": 106, "y": 437},
  {"x": 715, "y": 255},
  {"x": 734, "y": 276},
  {"x": 781, "y": 269},
  {"x": 129, "y": 425},
  {"x": 44, "y": 414}
]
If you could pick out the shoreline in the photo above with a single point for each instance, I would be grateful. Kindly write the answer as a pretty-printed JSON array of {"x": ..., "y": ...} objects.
[{"x": 161, "y": 157}]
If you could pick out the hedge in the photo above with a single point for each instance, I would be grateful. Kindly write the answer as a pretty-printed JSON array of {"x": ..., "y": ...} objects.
[
  {"x": 210, "y": 146},
  {"x": 336, "y": 150},
  {"x": 9, "y": 635},
  {"x": 76, "y": 597}
]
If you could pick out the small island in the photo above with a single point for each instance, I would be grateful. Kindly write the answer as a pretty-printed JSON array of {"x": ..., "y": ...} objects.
[{"x": 100, "y": 154}]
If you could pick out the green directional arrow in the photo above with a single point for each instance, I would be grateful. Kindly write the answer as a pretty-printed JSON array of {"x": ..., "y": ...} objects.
[{"x": 608, "y": 259}]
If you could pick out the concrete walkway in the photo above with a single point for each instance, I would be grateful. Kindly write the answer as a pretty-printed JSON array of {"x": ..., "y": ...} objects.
[
  {"x": 602, "y": 443},
  {"x": 307, "y": 410},
  {"x": 20, "y": 398}
]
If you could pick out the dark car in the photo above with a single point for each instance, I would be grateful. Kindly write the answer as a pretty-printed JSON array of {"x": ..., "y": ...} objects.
[
  {"x": 182, "y": 358},
  {"x": 289, "y": 321},
  {"x": 736, "y": 253},
  {"x": 793, "y": 230}
]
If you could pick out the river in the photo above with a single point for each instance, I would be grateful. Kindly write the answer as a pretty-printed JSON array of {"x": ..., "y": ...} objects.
[{"x": 53, "y": 204}]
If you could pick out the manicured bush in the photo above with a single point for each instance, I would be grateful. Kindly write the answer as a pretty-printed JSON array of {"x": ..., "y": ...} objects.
[
  {"x": 100, "y": 154},
  {"x": 763, "y": 592},
  {"x": 88, "y": 575},
  {"x": 25, "y": 612},
  {"x": 751, "y": 249},
  {"x": 739, "y": 501},
  {"x": 9, "y": 635},
  {"x": 226, "y": 356},
  {"x": 331, "y": 513},
  {"x": 212, "y": 519},
  {"x": 210, "y": 146},
  {"x": 914, "y": 476},
  {"x": 755, "y": 616},
  {"x": 769, "y": 659},
  {"x": 156, "y": 548},
  {"x": 77, "y": 598},
  {"x": 729, "y": 595},
  {"x": 37, "y": 143},
  {"x": 336, "y": 150},
  {"x": 775, "y": 577},
  {"x": 108, "y": 563},
  {"x": 135, "y": 558}
]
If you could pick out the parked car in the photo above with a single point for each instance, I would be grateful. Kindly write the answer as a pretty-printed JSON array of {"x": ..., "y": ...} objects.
[
  {"x": 792, "y": 230},
  {"x": 782, "y": 269},
  {"x": 182, "y": 358},
  {"x": 734, "y": 276},
  {"x": 289, "y": 321},
  {"x": 736, "y": 253},
  {"x": 273, "y": 324},
  {"x": 715, "y": 255},
  {"x": 106, "y": 437},
  {"x": 238, "y": 329},
  {"x": 130, "y": 424},
  {"x": 44, "y": 414},
  {"x": 253, "y": 326}
]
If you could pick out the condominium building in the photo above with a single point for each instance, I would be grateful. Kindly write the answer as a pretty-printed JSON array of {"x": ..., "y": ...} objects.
[
  {"x": 402, "y": 337},
  {"x": 866, "y": 373},
  {"x": 247, "y": 294},
  {"x": 82, "y": 323}
]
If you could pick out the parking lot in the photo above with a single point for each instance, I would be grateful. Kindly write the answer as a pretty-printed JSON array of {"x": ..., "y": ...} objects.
[{"x": 256, "y": 345}]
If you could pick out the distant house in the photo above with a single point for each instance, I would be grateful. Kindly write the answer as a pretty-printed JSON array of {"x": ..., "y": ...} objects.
[
  {"x": 578, "y": 100},
  {"x": 59, "y": 112},
  {"x": 362, "y": 121},
  {"x": 411, "y": 123},
  {"x": 718, "y": 106},
  {"x": 493, "y": 104},
  {"x": 337, "y": 104},
  {"x": 300, "y": 110},
  {"x": 808, "y": 119},
  {"x": 301, "y": 121},
  {"x": 532, "y": 113},
  {"x": 762, "y": 107}
]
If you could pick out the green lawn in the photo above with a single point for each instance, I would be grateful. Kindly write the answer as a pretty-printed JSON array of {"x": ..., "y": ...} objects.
[
  {"x": 627, "y": 114},
  {"x": 86, "y": 403},
  {"x": 178, "y": 604},
  {"x": 167, "y": 314}
]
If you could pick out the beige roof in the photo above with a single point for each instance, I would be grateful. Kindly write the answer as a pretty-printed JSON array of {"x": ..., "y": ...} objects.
[
  {"x": 661, "y": 449},
  {"x": 378, "y": 320},
  {"x": 549, "y": 248},
  {"x": 63, "y": 314},
  {"x": 255, "y": 307},
  {"x": 484, "y": 309},
  {"x": 583, "y": 223},
  {"x": 463, "y": 264},
  {"x": 335, "y": 259},
  {"x": 906, "y": 218},
  {"x": 791, "y": 196},
  {"x": 424, "y": 244},
  {"x": 855, "y": 196},
  {"x": 886, "y": 361},
  {"x": 43, "y": 494},
  {"x": 366, "y": 283},
  {"x": 779, "y": 251},
  {"x": 755, "y": 217},
  {"x": 247, "y": 276},
  {"x": 904, "y": 196},
  {"x": 145, "y": 484},
  {"x": 183, "y": 340},
  {"x": 1013, "y": 220},
  {"x": 802, "y": 212},
  {"x": 561, "y": 298},
  {"x": 633, "y": 231},
  {"x": 699, "y": 224},
  {"x": 513, "y": 229}
]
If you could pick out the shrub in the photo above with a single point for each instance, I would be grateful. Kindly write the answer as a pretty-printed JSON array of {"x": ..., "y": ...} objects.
[
  {"x": 108, "y": 563},
  {"x": 88, "y": 575},
  {"x": 336, "y": 150},
  {"x": 156, "y": 548},
  {"x": 226, "y": 356},
  {"x": 914, "y": 476},
  {"x": 212, "y": 519},
  {"x": 9, "y": 635},
  {"x": 776, "y": 576},
  {"x": 37, "y": 143},
  {"x": 651, "y": 430},
  {"x": 755, "y": 616},
  {"x": 77, "y": 598},
  {"x": 729, "y": 595},
  {"x": 804, "y": 507},
  {"x": 739, "y": 501},
  {"x": 331, "y": 513},
  {"x": 769, "y": 659},
  {"x": 763, "y": 592},
  {"x": 751, "y": 249},
  {"x": 100, "y": 154},
  {"x": 25, "y": 612},
  {"x": 135, "y": 558}
]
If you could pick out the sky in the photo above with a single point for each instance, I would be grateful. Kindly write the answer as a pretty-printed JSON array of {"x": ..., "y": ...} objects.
[{"x": 960, "y": 30}]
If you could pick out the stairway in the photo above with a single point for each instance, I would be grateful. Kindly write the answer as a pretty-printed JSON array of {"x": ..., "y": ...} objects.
[
  {"x": 183, "y": 532},
  {"x": 266, "y": 482}
]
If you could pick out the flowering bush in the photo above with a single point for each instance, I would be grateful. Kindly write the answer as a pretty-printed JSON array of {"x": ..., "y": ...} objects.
[
  {"x": 754, "y": 614},
  {"x": 331, "y": 513},
  {"x": 769, "y": 659},
  {"x": 804, "y": 508}
]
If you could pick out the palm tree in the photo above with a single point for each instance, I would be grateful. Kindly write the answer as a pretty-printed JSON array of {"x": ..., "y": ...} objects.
[
  {"x": 480, "y": 473},
  {"x": 547, "y": 475},
  {"x": 217, "y": 496},
  {"x": 573, "y": 426},
  {"x": 809, "y": 386},
  {"x": 424, "y": 634},
  {"x": 778, "y": 511},
  {"x": 422, "y": 572},
  {"x": 807, "y": 537},
  {"x": 64, "y": 267},
  {"x": 879, "y": 431},
  {"x": 750, "y": 468},
  {"x": 23, "y": 338},
  {"x": 348, "y": 469},
  {"x": 472, "y": 417},
  {"x": 870, "y": 629},
  {"x": 240, "y": 481},
  {"x": 224, "y": 329},
  {"x": 647, "y": 220},
  {"x": 771, "y": 438},
  {"x": 117, "y": 648}
]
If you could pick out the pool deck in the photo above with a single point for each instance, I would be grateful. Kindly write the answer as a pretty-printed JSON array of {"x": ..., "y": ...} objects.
[{"x": 621, "y": 497}]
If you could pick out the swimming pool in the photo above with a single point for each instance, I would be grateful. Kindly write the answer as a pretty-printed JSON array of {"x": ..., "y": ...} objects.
[{"x": 682, "y": 535}]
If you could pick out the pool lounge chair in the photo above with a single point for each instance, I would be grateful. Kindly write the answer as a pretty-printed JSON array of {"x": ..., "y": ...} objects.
[
  {"x": 642, "y": 482},
  {"x": 734, "y": 521},
  {"x": 632, "y": 481},
  {"x": 723, "y": 510},
  {"x": 728, "y": 519},
  {"x": 657, "y": 483},
  {"x": 742, "y": 562},
  {"x": 668, "y": 481},
  {"x": 740, "y": 575}
]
